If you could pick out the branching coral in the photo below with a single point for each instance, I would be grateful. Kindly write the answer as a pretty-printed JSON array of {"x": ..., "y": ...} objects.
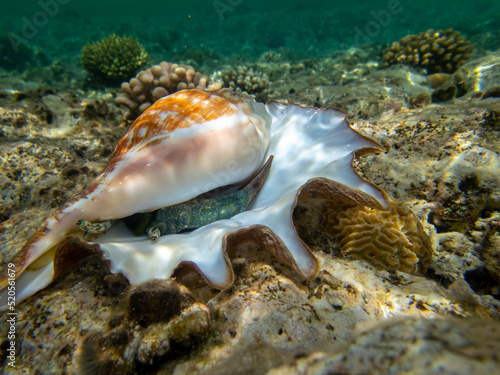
[
  {"x": 436, "y": 51},
  {"x": 156, "y": 82},
  {"x": 244, "y": 79},
  {"x": 114, "y": 58},
  {"x": 392, "y": 239}
]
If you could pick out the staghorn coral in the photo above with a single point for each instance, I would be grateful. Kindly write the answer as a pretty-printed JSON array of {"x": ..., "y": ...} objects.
[
  {"x": 392, "y": 239},
  {"x": 435, "y": 51},
  {"x": 114, "y": 59},
  {"x": 156, "y": 82},
  {"x": 243, "y": 79}
]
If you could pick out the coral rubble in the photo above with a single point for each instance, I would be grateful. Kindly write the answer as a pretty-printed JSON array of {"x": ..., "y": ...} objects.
[{"x": 411, "y": 347}]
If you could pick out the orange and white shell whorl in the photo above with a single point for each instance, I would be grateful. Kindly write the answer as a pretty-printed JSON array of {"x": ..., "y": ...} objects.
[{"x": 184, "y": 145}]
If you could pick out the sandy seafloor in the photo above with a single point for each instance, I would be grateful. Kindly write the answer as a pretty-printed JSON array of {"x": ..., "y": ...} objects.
[{"x": 353, "y": 318}]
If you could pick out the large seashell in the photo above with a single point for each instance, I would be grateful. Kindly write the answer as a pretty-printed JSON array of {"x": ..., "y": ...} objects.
[{"x": 192, "y": 142}]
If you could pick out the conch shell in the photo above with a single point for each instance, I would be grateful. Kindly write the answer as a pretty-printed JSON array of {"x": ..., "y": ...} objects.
[{"x": 189, "y": 143}]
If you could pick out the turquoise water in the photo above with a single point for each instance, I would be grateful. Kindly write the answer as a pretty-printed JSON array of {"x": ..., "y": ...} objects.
[{"x": 218, "y": 30}]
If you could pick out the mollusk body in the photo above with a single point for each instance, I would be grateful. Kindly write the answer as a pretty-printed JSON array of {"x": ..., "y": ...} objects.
[
  {"x": 195, "y": 213},
  {"x": 189, "y": 143}
]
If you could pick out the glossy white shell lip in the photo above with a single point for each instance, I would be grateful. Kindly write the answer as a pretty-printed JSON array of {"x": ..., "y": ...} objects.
[{"x": 306, "y": 143}]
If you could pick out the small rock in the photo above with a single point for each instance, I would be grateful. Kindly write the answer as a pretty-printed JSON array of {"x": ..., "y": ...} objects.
[
  {"x": 493, "y": 92},
  {"x": 154, "y": 301},
  {"x": 115, "y": 284},
  {"x": 419, "y": 100},
  {"x": 193, "y": 323},
  {"x": 437, "y": 79},
  {"x": 154, "y": 344}
]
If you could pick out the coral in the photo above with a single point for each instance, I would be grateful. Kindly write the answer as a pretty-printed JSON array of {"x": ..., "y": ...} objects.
[
  {"x": 156, "y": 82},
  {"x": 244, "y": 79},
  {"x": 436, "y": 51},
  {"x": 14, "y": 54},
  {"x": 114, "y": 58},
  {"x": 392, "y": 239}
]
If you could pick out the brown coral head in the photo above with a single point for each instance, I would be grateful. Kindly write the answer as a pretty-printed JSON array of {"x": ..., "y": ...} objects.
[
  {"x": 392, "y": 238},
  {"x": 154, "y": 301},
  {"x": 156, "y": 82}
]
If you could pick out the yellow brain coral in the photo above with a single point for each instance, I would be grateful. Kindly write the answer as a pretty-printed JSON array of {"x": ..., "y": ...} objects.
[{"x": 392, "y": 239}]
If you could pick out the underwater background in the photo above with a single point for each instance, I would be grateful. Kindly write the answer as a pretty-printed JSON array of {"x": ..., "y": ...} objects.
[
  {"x": 421, "y": 78},
  {"x": 219, "y": 30}
]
